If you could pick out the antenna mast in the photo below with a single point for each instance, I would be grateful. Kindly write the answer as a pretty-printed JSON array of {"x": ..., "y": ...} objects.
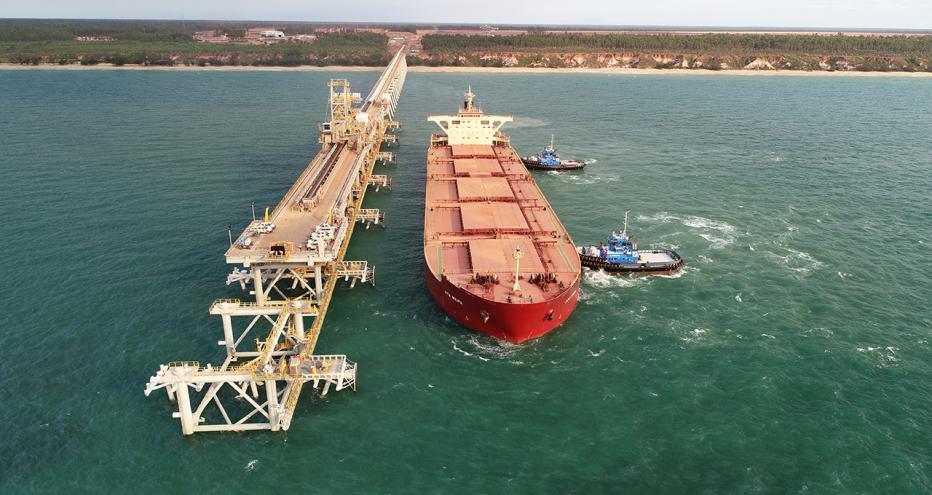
[{"x": 469, "y": 99}]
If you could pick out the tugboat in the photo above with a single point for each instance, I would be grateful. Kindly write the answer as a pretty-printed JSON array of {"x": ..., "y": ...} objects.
[
  {"x": 622, "y": 257},
  {"x": 549, "y": 159}
]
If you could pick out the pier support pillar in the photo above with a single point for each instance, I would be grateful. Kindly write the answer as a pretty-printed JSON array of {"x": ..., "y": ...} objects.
[
  {"x": 257, "y": 285},
  {"x": 318, "y": 282},
  {"x": 271, "y": 392},
  {"x": 228, "y": 339},
  {"x": 184, "y": 409},
  {"x": 298, "y": 320}
]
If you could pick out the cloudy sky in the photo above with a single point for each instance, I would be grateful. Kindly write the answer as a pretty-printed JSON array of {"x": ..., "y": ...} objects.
[{"x": 904, "y": 14}]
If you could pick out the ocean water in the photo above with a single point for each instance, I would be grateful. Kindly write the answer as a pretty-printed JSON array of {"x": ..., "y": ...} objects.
[{"x": 792, "y": 355}]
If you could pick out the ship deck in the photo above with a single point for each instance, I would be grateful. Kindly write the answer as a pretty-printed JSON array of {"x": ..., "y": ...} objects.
[{"x": 482, "y": 205}]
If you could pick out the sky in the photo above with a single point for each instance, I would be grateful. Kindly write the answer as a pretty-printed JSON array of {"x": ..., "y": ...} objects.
[{"x": 849, "y": 14}]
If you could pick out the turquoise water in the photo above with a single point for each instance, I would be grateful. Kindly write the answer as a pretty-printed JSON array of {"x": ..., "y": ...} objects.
[{"x": 791, "y": 355}]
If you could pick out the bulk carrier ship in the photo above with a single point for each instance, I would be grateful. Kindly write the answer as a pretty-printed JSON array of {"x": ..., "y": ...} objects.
[{"x": 498, "y": 260}]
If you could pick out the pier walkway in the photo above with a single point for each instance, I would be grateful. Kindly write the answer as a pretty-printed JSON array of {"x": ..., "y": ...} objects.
[{"x": 291, "y": 260}]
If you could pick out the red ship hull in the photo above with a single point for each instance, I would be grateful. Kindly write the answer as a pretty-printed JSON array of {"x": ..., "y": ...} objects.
[{"x": 513, "y": 322}]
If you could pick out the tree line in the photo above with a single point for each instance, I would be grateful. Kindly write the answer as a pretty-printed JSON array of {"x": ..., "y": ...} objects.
[
  {"x": 715, "y": 43},
  {"x": 28, "y": 41},
  {"x": 14, "y": 30}
]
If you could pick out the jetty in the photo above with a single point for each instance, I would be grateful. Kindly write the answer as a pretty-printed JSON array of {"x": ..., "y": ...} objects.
[{"x": 288, "y": 263}]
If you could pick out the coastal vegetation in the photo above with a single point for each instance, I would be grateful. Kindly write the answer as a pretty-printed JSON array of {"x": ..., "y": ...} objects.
[
  {"x": 330, "y": 49},
  {"x": 722, "y": 44},
  {"x": 148, "y": 30},
  {"x": 714, "y": 51},
  {"x": 171, "y": 43},
  {"x": 91, "y": 42}
]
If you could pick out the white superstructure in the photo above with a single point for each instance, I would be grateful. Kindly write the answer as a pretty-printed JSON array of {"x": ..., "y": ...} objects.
[{"x": 469, "y": 125}]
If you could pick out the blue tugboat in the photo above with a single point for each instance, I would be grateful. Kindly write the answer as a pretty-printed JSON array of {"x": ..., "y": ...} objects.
[
  {"x": 622, "y": 257},
  {"x": 549, "y": 159}
]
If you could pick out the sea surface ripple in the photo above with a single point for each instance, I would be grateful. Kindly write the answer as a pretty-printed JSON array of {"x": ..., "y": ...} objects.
[{"x": 791, "y": 355}]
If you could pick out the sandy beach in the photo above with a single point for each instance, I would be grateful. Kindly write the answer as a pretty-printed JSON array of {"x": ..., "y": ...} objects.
[
  {"x": 671, "y": 72},
  {"x": 445, "y": 69}
]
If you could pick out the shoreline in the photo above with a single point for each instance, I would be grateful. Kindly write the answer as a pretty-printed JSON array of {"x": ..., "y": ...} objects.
[{"x": 450, "y": 69}]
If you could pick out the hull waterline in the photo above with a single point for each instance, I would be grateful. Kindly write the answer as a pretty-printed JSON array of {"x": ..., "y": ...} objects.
[{"x": 507, "y": 321}]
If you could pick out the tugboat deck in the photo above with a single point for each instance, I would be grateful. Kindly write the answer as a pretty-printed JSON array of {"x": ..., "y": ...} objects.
[{"x": 656, "y": 257}]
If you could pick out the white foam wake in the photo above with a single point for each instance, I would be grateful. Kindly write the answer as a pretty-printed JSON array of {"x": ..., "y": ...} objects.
[
  {"x": 718, "y": 234},
  {"x": 797, "y": 261},
  {"x": 522, "y": 122},
  {"x": 599, "y": 278},
  {"x": 485, "y": 349}
]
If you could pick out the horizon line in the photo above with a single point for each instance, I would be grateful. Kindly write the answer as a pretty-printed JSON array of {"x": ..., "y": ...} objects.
[{"x": 552, "y": 27}]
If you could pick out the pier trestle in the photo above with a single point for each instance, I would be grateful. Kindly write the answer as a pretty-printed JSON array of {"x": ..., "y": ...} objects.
[{"x": 291, "y": 261}]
